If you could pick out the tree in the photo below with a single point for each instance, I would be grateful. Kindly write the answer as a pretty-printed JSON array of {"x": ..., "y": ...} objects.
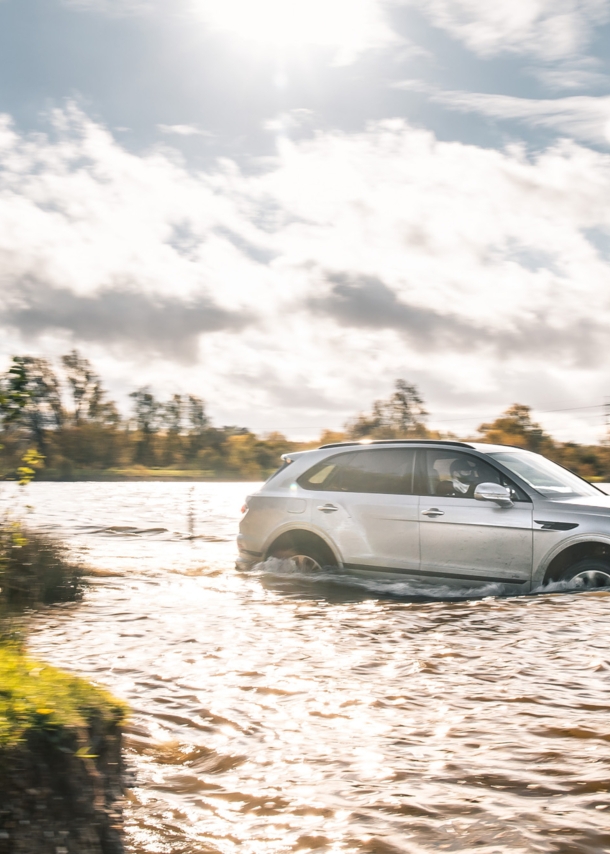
[
  {"x": 147, "y": 411},
  {"x": 197, "y": 418},
  {"x": 402, "y": 415},
  {"x": 172, "y": 415},
  {"x": 198, "y": 425},
  {"x": 34, "y": 396},
  {"x": 82, "y": 381},
  {"x": 88, "y": 395},
  {"x": 172, "y": 421},
  {"x": 515, "y": 427},
  {"x": 13, "y": 392}
]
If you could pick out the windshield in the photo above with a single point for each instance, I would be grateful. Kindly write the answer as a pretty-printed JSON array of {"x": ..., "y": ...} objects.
[{"x": 545, "y": 477}]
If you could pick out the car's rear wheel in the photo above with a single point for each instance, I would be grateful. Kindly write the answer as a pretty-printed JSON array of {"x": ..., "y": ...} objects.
[
  {"x": 588, "y": 574},
  {"x": 306, "y": 563},
  {"x": 305, "y": 559}
]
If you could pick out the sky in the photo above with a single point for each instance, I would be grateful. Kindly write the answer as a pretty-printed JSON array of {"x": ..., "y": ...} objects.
[{"x": 282, "y": 206}]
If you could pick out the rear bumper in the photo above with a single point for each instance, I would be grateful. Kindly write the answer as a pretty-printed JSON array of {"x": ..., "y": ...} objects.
[{"x": 246, "y": 558}]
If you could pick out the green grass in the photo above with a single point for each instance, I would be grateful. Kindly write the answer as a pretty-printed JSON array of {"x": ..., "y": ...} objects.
[{"x": 36, "y": 696}]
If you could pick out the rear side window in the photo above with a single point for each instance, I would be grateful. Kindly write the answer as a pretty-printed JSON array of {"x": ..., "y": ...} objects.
[
  {"x": 285, "y": 464},
  {"x": 386, "y": 471},
  {"x": 326, "y": 475}
]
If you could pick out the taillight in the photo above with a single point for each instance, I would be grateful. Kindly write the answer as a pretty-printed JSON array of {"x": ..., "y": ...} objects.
[{"x": 244, "y": 508}]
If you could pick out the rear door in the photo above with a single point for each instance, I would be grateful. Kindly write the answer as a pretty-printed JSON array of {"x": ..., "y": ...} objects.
[
  {"x": 465, "y": 541},
  {"x": 363, "y": 501}
]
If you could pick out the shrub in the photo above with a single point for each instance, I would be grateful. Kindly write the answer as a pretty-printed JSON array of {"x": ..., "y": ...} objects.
[{"x": 35, "y": 569}]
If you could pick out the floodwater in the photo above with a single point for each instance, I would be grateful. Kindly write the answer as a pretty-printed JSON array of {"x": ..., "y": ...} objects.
[{"x": 275, "y": 713}]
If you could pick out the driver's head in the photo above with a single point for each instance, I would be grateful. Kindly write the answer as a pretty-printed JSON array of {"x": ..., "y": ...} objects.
[{"x": 464, "y": 470}]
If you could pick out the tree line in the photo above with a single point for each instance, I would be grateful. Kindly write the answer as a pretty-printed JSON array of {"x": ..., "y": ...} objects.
[{"x": 64, "y": 421}]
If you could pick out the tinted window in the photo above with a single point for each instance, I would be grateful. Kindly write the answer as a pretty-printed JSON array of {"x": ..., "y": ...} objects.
[
  {"x": 457, "y": 474},
  {"x": 323, "y": 475},
  {"x": 387, "y": 471}
]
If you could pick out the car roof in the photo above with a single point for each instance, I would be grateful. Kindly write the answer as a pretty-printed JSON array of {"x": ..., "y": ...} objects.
[
  {"x": 366, "y": 443},
  {"x": 482, "y": 447}
]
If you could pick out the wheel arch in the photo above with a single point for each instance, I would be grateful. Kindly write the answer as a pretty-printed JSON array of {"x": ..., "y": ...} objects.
[
  {"x": 573, "y": 553},
  {"x": 301, "y": 538}
]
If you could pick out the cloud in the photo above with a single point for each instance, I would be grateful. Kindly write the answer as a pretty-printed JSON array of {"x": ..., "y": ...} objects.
[
  {"x": 365, "y": 302},
  {"x": 260, "y": 254},
  {"x": 581, "y": 117},
  {"x": 137, "y": 322},
  {"x": 183, "y": 130},
  {"x": 345, "y": 27},
  {"x": 459, "y": 267},
  {"x": 582, "y": 73},
  {"x": 113, "y": 7},
  {"x": 547, "y": 29}
]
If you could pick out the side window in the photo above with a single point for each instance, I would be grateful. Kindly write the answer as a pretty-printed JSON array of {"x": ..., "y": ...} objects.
[
  {"x": 326, "y": 475},
  {"x": 386, "y": 471},
  {"x": 457, "y": 474}
]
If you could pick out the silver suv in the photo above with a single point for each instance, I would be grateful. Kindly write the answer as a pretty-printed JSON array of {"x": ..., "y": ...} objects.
[{"x": 451, "y": 513}]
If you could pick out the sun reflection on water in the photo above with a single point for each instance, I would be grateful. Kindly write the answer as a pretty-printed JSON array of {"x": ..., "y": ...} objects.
[{"x": 284, "y": 715}]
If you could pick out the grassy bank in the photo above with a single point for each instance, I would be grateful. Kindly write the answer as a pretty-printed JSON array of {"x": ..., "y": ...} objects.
[
  {"x": 60, "y": 737},
  {"x": 60, "y": 761},
  {"x": 35, "y": 697}
]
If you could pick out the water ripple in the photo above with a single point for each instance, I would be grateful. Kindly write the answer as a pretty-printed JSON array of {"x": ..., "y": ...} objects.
[{"x": 275, "y": 713}]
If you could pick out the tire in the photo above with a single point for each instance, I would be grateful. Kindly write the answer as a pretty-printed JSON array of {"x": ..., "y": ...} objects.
[
  {"x": 306, "y": 559},
  {"x": 588, "y": 574}
]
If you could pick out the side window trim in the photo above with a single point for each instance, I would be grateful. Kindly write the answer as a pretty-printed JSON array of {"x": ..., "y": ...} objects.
[{"x": 420, "y": 475}]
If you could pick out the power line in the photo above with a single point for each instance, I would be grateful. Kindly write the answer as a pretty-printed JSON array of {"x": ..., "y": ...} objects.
[
  {"x": 573, "y": 408},
  {"x": 539, "y": 411},
  {"x": 604, "y": 406}
]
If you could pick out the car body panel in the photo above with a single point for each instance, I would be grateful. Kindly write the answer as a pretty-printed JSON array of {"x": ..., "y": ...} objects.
[
  {"x": 370, "y": 530},
  {"x": 477, "y": 541}
]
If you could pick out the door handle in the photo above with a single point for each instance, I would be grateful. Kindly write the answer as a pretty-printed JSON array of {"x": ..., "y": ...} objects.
[
  {"x": 327, "y": 508},
  {"x": 432, "y": 512}
]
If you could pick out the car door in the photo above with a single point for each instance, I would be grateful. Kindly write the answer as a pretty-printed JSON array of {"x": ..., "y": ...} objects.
[
  {"x": 465, "y": 541},
  {"x": 363, "y": 502}
]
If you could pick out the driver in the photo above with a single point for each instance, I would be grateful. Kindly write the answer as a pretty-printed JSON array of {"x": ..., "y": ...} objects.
[{"x": 464, "y": 476}]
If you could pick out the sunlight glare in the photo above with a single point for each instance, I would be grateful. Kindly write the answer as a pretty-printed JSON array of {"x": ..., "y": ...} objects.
[{"x": 349, "y": 25}]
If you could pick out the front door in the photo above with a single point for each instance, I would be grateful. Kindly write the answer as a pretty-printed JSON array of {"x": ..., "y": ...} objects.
[
  {"x": 469, "y": 542},
  {"x": 363, "y": 501}
]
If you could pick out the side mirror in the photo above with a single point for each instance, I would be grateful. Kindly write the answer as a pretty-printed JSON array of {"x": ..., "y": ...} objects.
[{"x": 493, "y": 492}]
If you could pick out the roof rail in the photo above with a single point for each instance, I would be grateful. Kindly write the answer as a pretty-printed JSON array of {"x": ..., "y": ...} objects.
[{"x": 367, "y": 442}]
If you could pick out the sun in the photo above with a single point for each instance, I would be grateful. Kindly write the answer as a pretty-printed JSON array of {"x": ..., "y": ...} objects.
[{"x": 348, "y": 26}]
